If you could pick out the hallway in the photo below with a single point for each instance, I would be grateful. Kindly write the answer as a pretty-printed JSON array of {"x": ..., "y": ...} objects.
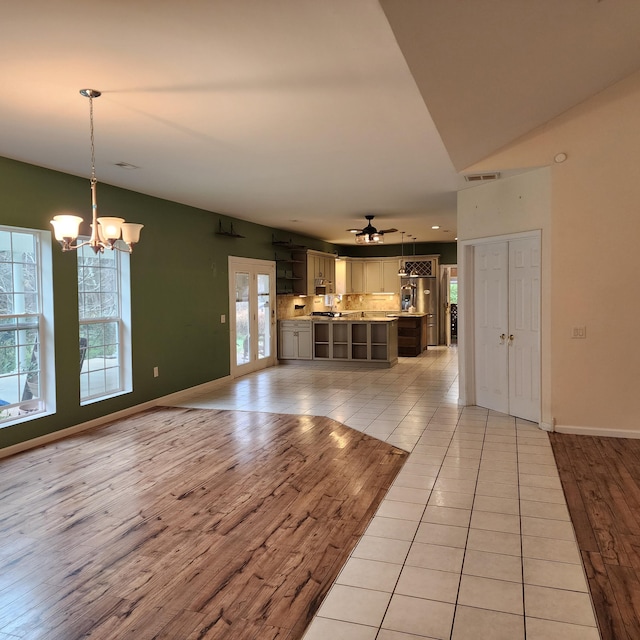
[{"x": 473, "y": 540}]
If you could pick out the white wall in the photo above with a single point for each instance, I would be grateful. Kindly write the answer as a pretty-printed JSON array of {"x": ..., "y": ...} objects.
[
  {"x": 592, "y": 252},
  {"x": 514, "y": 205}
]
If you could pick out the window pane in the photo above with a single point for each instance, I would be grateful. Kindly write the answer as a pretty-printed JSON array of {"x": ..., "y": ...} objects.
[
  {"x": 243, "y": 345},
  {"x": 264, "y": 317},
  {"x": 20, "y": 322}
]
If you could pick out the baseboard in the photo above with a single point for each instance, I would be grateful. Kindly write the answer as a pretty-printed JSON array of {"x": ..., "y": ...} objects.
[
  {"x": 597, "y": 431},
  {"x": 547, "y": 426},
  {"x": 185, "y": 394},
  {"x": 118, "y": 415}
]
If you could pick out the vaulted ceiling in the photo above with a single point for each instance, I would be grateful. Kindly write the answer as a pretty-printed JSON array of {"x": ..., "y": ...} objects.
[{"x": 301, "y": 114}]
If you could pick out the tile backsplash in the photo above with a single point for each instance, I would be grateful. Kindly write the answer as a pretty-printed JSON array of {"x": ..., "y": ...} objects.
[{"x": 294, "y": 306}]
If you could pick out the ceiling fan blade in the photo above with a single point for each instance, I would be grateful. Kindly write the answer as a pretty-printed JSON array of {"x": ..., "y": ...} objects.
[{"x": 388, "y": 231}]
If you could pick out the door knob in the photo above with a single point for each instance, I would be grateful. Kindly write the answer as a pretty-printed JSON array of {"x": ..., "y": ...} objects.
[
  {"x": 511, "y": 338},
  {"x": 502, "y": 337}
]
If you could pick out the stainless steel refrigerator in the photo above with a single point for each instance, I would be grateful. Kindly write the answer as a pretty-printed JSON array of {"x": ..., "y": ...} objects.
[{"x": 420, "y": 295}]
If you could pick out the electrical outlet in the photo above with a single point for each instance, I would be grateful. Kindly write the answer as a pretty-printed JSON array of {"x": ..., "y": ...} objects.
[
  {"x": 156, "y": 372},
  {"x": 579, "y": 332},
  {"x": 223, "y": 318}
]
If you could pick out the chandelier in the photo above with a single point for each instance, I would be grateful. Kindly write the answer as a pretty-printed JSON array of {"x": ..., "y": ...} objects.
[{"x": 105, "y": 231}]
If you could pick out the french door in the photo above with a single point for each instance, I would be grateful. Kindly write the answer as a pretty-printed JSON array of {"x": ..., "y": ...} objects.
[
  {"x": 507, "y": 326},
  {"x": 252, "y": 314}
]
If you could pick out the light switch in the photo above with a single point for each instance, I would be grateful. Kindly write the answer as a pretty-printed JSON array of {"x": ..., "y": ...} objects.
[{"x": 223, "y": 318}]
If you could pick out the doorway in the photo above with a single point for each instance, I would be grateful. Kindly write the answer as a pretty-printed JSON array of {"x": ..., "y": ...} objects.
[
  {"x": 449, "y": 306},
  {"x": 504, "y": 325},
  {"x": 252, "y": 314}
]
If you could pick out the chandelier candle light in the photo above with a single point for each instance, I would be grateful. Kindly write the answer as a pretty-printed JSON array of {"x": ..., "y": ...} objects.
[{"x": 105, "y": 231}]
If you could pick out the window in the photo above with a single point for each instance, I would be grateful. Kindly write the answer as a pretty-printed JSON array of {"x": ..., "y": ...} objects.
[
  {"x": 26, "y": 335},
  {"x": 103, "y": 309}
]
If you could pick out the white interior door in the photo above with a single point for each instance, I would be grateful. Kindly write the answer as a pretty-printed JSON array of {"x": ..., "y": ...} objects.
[
  {"x": 524, "y": 328},
  {"x": 252, "y": 314},
  {"x": 507, "y": 326},
  {"x": 491, "y": 313}
]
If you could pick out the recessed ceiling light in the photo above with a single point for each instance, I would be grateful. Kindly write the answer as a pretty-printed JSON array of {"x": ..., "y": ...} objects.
[
  {"x": 560, "y": 157},
  {"x": 435, "y": 226}
]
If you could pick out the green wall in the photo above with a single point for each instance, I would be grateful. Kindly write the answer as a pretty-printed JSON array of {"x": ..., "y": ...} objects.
[
  {"x": 448, "y": 251},
  {"x": 179, "y": 287}
]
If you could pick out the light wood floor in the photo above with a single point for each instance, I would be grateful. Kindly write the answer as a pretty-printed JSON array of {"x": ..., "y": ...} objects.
[
  {"x": 601, "y": 481},
  {"x": 184, "y": 523}
]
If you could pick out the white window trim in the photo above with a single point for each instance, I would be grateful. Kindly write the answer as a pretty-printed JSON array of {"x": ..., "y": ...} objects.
[
  {"x": 47, "y": 379},
  {"x": 124, "y": 329}
]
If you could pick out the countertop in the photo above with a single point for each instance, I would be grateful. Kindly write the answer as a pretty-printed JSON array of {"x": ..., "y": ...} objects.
[
  {"x": 347, "y": 317},
  {"x": 361, "y": 316}
]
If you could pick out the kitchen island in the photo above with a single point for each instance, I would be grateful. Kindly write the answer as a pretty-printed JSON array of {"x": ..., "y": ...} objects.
[
  {"x": 412, "y": 333},
  {"x": 347, "y": 338}
]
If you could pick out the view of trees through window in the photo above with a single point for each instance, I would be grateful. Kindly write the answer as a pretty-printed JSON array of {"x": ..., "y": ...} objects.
[
  {"x": 20, "y": 310},
  {"x": 99, "y": 315}
]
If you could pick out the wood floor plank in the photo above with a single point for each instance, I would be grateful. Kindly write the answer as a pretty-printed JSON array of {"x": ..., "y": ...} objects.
[
  {"x": 185, "y": 523},
  {"x": 610, "y": 622},
  {"x": 601, "y": 479}
]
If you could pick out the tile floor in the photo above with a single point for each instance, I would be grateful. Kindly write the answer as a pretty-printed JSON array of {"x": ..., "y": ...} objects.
[{"x": 472, "y": 542}]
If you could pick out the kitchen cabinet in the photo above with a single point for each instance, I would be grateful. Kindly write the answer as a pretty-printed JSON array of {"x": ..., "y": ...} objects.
[
  {"x": 390, "y": 278},
  {"x": 321, "y": 273},
  {"x": 369, "y": 342},
  {"x": 372, "y": 276},
  {"x": 357, "y": 276},
  {"x": 381, "y": 275},
  {"x": 295, "y": 342},
  {"x": 412, "y": 335},
  {"x": 366, "y": 275}
]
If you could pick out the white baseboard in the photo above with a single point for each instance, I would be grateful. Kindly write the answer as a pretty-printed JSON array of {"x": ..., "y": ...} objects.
[
  {"x": 598, "y": 431},
  {"x": 547, "y": 426},
  {"x": 118, "y": 415}
]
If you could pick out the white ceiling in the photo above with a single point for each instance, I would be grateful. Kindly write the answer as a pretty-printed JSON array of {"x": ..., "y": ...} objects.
[{"x": 301, "y": 114}]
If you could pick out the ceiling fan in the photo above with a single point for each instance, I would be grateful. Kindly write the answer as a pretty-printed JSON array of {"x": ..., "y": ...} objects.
[{"x": 370, "y": 235}]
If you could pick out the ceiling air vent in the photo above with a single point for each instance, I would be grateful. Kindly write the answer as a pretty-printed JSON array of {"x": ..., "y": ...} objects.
[{"x": 482, "y": 177}]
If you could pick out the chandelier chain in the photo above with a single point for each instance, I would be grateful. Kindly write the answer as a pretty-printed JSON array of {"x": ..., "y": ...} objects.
[{"x": 93, "y": 147}]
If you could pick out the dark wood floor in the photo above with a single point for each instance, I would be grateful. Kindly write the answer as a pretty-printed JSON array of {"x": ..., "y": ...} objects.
[
  {"x": 601, "y": 481},
  {"x": 184, "y": 523}
]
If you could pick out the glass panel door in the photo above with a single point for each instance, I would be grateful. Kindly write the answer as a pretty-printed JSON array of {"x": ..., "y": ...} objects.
[{"x": 253, "y": 322}]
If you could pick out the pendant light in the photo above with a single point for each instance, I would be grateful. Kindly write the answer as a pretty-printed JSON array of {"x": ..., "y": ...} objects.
[
  {"x": 402, "y": 272},
  {"x": 412, "y": 272},
  {"x": 105, "y": 231}
]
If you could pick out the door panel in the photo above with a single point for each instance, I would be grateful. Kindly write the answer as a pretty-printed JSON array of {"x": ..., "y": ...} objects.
[
  {"x": 491, "y": 325},
  {"x": 264, "y": 315},
  {"x": 524, "y": 326},
  {"x": 241, "y": 317}
]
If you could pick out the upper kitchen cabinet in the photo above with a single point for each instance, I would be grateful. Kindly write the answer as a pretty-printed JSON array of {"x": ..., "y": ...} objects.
[
  {"x": 368, "y": 275},
  {"x": 321, "y": 273}
]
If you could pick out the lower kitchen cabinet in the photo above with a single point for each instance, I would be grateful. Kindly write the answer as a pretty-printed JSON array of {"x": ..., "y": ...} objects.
[
  {"x": 366, "y": 342},
  {"x": 412, "y": 335},
  {"x": 295, "y": 341}
]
